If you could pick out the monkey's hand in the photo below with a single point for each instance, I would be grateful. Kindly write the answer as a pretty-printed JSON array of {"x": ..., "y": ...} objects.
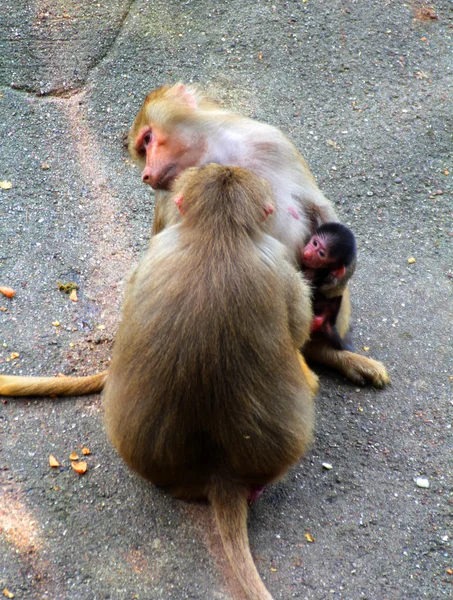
[
  {"x": 317, "y": 322},
  {"x": 331, "y": 282}
]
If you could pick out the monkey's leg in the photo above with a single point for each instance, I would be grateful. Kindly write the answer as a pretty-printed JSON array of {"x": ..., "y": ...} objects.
[
  {"x": 357, "y": 368},
  {"x": 336, "y": 340},
  {"x": 312, "y": 378}
]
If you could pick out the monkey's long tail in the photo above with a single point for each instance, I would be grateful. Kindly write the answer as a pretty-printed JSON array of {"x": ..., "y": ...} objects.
[
  {"x": 230, "y": 507},
  {"x": 14, "y": 385}
]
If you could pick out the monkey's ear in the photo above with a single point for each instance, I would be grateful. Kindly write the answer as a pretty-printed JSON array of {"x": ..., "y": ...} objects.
[
  {"x": 268, "y": 210},
  {"x": 178, "y": 201},
  {"x": 186, "y": 94},
  {"x": 338, "y": 273}
]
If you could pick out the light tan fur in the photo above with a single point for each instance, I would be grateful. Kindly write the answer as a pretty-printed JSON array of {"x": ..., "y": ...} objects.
[
  {"x": 15, "y": 385},
  {"x": 200, "y": 131},
  {"x": 232, "y": 139}
]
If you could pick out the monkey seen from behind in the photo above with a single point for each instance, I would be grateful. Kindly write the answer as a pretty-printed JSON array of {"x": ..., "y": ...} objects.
[{"x": 207, "y": 395}]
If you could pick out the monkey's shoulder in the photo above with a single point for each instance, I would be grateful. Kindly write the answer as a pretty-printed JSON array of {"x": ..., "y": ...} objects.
[
  {"x": 162, "y": 250},
  {"x": 166, "y": 241},
  {"x": 272, "y": 250},
  {"x": 279, "y": 261},
  {"x": 279, "y": 253}
]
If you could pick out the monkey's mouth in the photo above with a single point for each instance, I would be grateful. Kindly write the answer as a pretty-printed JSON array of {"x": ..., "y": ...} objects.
[{"x": 166, "y": 177}]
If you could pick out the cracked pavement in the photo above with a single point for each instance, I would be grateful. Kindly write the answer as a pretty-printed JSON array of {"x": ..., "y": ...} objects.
[{"x": 364, "y": 89}]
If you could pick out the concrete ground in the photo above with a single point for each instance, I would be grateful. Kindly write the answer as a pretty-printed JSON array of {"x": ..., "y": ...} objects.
[{"x": 365, "y": 91}]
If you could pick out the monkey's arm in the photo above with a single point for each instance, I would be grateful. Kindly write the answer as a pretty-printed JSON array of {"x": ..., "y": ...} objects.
[
  {"x": 316, "y": 206},
  {"x": 319, "y": 212},
  {"x": 275, "y": 157},
  {"x": 159, "y": 212},
  {"x": 166, "y": 212},
  {"x": 332, "y": 286},
  {"x": 357, "y": 368},
  {"x": 310, "y": 376},
  {"x": 330, "y": 331},
  {"x": 300, "y": 312}
]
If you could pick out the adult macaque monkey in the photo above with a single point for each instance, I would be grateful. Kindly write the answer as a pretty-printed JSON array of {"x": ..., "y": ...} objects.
[
  {"x": 207, "y": 395},
  {"x": 178, "y": 127}
]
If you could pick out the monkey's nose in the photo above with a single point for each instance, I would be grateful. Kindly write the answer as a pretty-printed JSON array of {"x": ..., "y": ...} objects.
[{"x": 147, "y": 176}]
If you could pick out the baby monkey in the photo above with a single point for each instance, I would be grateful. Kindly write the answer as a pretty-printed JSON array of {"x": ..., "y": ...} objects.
[{"x": 329, "y": 261}]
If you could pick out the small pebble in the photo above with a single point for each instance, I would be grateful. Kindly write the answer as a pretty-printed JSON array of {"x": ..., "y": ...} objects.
[
  {"x": 422, "y": 482},
  {"x": 327, "y": 466}
]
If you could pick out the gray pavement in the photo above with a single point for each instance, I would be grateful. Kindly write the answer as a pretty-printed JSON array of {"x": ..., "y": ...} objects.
[{"x": 365, "y": 91}]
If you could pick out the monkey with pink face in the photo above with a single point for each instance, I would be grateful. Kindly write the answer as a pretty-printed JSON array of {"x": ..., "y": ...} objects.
[{"x": 328, "y": 262}]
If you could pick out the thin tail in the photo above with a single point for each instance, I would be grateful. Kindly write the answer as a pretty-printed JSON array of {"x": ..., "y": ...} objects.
[
  {"x": 14, "y": 385},
  {"x": 230, "y": 507}
]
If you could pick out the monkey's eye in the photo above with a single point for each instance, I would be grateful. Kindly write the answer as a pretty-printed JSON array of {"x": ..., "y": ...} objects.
[
  {"x": 147, "y": 138},
  {"x": 322, "y": 254},
  {"x": 315, "y": 243}
]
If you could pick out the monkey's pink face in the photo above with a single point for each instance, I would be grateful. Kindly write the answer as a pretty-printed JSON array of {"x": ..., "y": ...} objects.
[
  {"x": 315, "y": 254},
  {"x": 166, "y": 156}
]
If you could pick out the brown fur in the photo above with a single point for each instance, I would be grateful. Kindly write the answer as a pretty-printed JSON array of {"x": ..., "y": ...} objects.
[{"x": 207, "y": 394}]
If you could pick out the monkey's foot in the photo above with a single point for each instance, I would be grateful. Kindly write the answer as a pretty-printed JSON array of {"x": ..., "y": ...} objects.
[
  {"x": 359, "y": 369},
  {"x": 255, "y": 493}
]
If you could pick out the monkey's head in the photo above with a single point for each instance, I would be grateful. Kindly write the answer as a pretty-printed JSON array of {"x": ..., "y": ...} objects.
[
  {"x": 232, "y": 197},
  {"x": 332, "y": 247},
  {"x": 164, "y": 138}
]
